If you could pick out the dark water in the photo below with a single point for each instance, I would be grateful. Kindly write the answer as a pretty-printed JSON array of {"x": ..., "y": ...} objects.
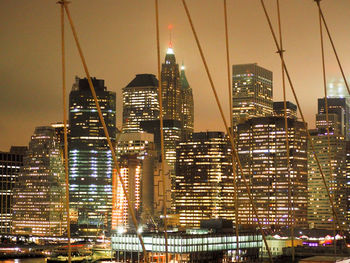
[{"x": 24, "y": 260}]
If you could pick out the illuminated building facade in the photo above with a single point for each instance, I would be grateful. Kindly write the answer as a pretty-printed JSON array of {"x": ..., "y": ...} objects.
[
  {"x": 141, "y": 166},
  {"x": 135, "y": 143},
  {"x": 171, "y": 88},
  {"x": 187, "y": 105},
  {"x": 140, "y": 102},
  {"x": 278, "y": 109},
  {"x": 204, "y": 187},
  {"x": 90, "y": 160},
  {"x": 39, "y": 197},
  {"x": 319, "y": 209},
  {"x": 339, "y": 106},
  {"x": 130, "y": 171},
  {"x": 172, "y": 135},
  {"x": 262, "y": 152},
  {"x": 10, "y": 164},
  {"x": 251, "y": 92}
]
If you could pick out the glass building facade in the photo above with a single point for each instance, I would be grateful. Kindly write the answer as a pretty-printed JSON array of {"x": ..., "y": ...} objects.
[
  {"x": 319, "y": 208},
  {"x": 261, "y": 145},
  {"x": 171, "y": 88},
  {"x": 10, "y": 164},
  {"x": 204, "y": 186},
  {"x": 251, "y": 92},
  {"x": 39, "y": 197},
  {"x": 140, "y": 102},
  {"x": 90, "y": 160},
  {"x": 187, "y": 105}
]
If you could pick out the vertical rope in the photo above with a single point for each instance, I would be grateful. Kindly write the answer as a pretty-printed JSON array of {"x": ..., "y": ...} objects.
[
  {"x": 161, "y": 131},
  {"x": 291, "y": 214},
  {"x": 301, "y": 114},
  {"x": 332, "y": 43},
  {"x": 131, "y": 208},
  {"x": 327, "y": 121},
  {"x": 235, "y": 192},
  {"x": 226, "y": 127},
  {"x": 64, "y": 104}
]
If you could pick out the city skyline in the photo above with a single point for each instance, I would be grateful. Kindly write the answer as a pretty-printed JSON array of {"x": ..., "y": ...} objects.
[{"x": 31, "y": 64}]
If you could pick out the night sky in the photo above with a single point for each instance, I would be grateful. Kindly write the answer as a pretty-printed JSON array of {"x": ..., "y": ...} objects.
[{"x": 119, "y": 41}]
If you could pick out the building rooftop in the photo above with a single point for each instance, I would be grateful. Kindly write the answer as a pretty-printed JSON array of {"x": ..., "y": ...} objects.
[{"x": 144, "y": 80}]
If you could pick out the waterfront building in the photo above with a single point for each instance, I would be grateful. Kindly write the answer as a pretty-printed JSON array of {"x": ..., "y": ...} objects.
[
  {"x": 204, "y": 186},
  {"x": 320, "y": 214},
  {"x": 187, "y": 105},
  {"x": 10, "y": 164},
  {"x": 194, "y": 245},
  {"x": 39, "y": 197},
  {"x": 140, "y": 102},
  {"x": 90, "y": 159},
  {"x": 261, "y": 145},
  {"x": 251, "y": 92}
]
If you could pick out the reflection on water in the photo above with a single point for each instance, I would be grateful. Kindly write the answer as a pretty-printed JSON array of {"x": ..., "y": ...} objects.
[{"x": 24, "y": 260}]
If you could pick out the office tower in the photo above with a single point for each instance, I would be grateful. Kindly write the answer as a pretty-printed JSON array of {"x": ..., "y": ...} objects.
[
  {"x": 39, "y": 197},
  {"x": 320, "y": 214},
  {"x": 130, "y": 171},
  {"x": 171, "y": 88},
  {"x": 278, "y": 109},
  {"x": 204, "y": 187},
  {"x": 172, "y": 131},
  {"x": 348, "y": 183},
  {"x": 140, "y": 168},
  {"x": 10, "y": 164},
  {"x": 251, "y": 92},
  {"x": 140, "y": 102},
  {"x": 187, "y": 105},
  {"x": 90, "y": 159},
  {"x": 261, "y": 145},
  {"x": 135, "y": 143},
  {"x": 339, "y": 106}
]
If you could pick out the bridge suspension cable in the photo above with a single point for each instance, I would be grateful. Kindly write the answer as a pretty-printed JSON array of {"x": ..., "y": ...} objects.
[
  {"x": 234, "y": 167},
  {"x": 291, "y": 215},
  {"x": 116, "y": 165},
  {"x": 301, "y": 113},
  {"x": 226, "y": 127},
  {"x": 64, "y": 105},
  {"x": 160, "y": 99}
]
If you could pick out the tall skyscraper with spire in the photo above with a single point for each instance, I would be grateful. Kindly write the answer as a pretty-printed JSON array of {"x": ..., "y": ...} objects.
[
  {"x": 187, "y": 105},
  {"x": 171, "y": 87}
]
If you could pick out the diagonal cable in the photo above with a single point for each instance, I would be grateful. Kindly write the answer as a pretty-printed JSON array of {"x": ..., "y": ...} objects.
[{"x": 227, "y": 129}]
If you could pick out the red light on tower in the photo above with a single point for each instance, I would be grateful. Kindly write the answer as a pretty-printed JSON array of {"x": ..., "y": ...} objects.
[{"x": 170, "y": 28}]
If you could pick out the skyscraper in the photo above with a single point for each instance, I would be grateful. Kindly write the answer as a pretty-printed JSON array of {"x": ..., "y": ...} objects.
[
  {"x": 319, "y": 208},
  {"x": 261, "y": 145},
  {"x": 10, "y": 165},
  {"x": 140, "y": 102},
  {"x": 172, "y": 135},
  {"x": 39, "y": 197},
  {"x": 187, "y": 105},
  {"x": 278, "y": 109},
  {"x": 339, "y": 111},
  {"x": 171, "y": 88},
  {"x": 90, "y": 160},
  {"x": 251, "y": 92},
  {"x": 204, "y": 187}
]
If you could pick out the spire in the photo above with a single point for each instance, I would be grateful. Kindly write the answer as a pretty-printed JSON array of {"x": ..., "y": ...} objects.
[
  {"x": 170, "y": 46},
  {"x": 183, "y": 79}
]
